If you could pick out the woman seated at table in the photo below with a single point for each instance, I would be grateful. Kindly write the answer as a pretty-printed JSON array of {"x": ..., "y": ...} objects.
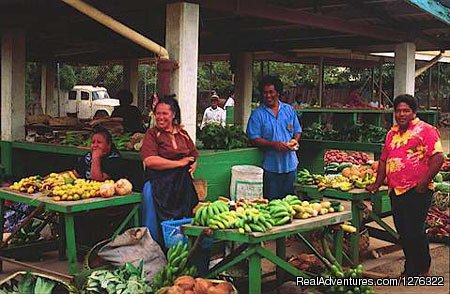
[
  {"x": 103, "y": 162},
  {"x": 169, "y": 157}
]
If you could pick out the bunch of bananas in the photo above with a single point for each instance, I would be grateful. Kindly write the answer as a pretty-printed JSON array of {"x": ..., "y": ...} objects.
[
  {"x": 58, "y": 179},
  {"x": 206, "y": 210},
  {"x": 177, "y": 258},
  {"x": 29, "y": 185},
  {"x": 224, "y": 220},
  {"x": 281, "y": 211},
  {"x": 336, "y": 182},
  {"x": 304, "y": 177},
  {"x": 253, "y": 220}
]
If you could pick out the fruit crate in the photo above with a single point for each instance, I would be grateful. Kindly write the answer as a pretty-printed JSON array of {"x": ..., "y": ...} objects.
[{"x": 172, "y": 231}]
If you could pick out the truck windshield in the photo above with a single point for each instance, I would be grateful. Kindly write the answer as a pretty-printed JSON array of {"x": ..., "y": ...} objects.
[{"x": 97, "y": 95}]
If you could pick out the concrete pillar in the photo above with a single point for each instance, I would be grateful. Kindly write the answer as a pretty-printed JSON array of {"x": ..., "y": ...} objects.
[
  {"x": 182, "y": 20},
  {"x": 49, "y": 95},
  {"x": 13, "y": 85},
  {"x": 243, "y": 87},
  {"x": 130, "y": 78},
  {"x": 405, "y": 68}
]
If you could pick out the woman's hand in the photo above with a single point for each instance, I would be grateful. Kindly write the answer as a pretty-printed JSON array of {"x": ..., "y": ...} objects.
[
  {"x": 192, "y": 168},
  {"x": 186, "y": 160},
  {"x": 97, "y": 153}
]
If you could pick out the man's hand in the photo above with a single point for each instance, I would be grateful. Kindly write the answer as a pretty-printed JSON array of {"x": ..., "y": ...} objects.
[
  {"x": 293, "y": 144},
  {"x": 373, "y": 188},
  {"x": 421, "y": 187},
  {"x": 281, "y": 146},
  {"x": 186, "y": 160}
]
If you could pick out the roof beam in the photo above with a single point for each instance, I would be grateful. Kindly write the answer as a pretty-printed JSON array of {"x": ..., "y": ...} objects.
[
  {"x": 263, "y": 10},
  {"x": 434, "y": 8}
]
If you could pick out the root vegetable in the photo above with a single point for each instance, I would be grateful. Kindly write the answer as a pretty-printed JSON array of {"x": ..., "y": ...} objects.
[{"x": 107, "y": 190}]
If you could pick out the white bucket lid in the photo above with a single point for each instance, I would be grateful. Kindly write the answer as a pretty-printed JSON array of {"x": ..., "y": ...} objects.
[{"x": 248, "y": 169}]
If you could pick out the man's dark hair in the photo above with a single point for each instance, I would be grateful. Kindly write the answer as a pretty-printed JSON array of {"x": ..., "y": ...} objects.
[
  {"x": 271, "y": 80},
  {"x": 174, "y": 107},
  {"x": 408, "y": 99},
  {"x": 125, "y": 97}
]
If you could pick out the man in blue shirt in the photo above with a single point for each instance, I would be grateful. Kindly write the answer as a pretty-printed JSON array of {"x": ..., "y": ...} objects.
[{"x": 274, "y": 127}]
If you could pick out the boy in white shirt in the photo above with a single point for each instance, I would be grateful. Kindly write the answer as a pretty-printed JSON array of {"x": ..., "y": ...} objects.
[{"x": 213, "y": 114}]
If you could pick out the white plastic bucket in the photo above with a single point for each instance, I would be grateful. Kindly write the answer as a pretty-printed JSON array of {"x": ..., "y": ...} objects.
[{"x": 246, "y": 182}]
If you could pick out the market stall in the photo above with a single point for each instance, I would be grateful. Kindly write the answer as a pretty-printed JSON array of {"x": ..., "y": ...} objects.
[
  {"x": 68, "y": 209},
  {"x": 357, "y": 198},
  {"x": 252, "y": 222}
]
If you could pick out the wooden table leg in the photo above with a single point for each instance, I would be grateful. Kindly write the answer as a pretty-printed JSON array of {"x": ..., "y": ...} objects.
[
  {"x": 254, "y": 271},
  {"x": 70, "y": 243},
  {"x": 281, "y": 253},
  {"x": 137, "y": 217},
  {"x": 354, "y": 238},
  {"x": 62, "y": 238},
  {"x": 2, "y": 225},
  {"x": 338, "y": 248}
]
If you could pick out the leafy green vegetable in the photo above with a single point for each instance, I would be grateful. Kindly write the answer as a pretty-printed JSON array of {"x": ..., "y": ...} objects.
[
  {"x": 43, "y": 286},
  {"x": 26, "y": 285},
  {"x": 218, "y": 137}
]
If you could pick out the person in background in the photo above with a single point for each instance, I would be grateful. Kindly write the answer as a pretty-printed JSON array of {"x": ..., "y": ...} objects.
[
  {"x": 103, "y": 162},
  {"x": 132, "y": 117},
  {"x": 297, "y": 101},
  {"x": 213, "y": 114},
  {"x": 169, "y": 157},
  {"x": 230, "y": 100},
  {"x": 274, "y": 127},
  {"x": 411, "y": 157}
]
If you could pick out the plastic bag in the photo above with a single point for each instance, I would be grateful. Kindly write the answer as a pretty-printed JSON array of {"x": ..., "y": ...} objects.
[{"x": 132, "y": 246}]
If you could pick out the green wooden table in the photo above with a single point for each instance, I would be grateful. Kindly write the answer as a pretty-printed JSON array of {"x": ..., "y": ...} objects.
[
  {"x": 253, "y": 250},
  {"x": 68, "y": 209},
  {"x": 356, "y": 197}
]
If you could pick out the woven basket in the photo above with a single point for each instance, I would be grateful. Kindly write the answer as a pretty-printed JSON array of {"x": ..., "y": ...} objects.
[
  {"x": 38, "y": 119},
  {"x": 92, "y": 260},
  {"x": 63, "y": 121},
  {"x": 13, "y": 280},
  {"x": 201, "y": 186}
]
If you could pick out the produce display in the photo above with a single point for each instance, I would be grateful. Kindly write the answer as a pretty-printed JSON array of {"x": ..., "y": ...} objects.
[
  {"x": 187, "y": 285},
  {"x": 127, "y": 279},
  {"x": 66, "y": 186},
  {"x": 124, "y": 142},
  {"x": 218, "y": 137},
  {"x": 27, "y": 282},
  {"x": 438, "y": 225},
  {"x": 339, "y": 156},
  {"x": 259, "y": 215},
  {"x": 177, "y": 259},
  {"x": 363, "y": 133},
  {"x": 446, "y": 166}
]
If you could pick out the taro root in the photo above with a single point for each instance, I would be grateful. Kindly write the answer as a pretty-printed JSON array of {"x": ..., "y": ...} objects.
[{"x": 185, "y": 282}]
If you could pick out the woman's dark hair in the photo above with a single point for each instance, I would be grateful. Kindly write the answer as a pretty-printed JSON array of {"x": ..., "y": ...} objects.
[
  {"x": 174, "y": 107},
  {"x": 125, "y": 97},
  {"x": 106, "y": 134},
  {"x": 408, "y": 99},
  {"x": 271, "y": 80}
]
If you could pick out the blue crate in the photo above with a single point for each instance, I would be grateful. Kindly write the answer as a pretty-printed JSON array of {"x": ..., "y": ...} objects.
[{"x": 172, "y": 231}]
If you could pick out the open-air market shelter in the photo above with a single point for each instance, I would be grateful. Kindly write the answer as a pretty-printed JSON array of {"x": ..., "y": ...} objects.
[{"x": 181, "y": 32}]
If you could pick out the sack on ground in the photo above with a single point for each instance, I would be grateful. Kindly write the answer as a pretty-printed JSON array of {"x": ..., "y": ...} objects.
[{"x": 132, "y": 246}]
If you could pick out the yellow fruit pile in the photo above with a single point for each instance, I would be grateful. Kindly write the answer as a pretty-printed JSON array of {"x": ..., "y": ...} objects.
[
  {"x": 29, "y": 185},
  {"x": 79, "y": 189}
]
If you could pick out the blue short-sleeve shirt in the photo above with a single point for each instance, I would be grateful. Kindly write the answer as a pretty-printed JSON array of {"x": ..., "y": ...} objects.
[{"x": 263, "y": 124}]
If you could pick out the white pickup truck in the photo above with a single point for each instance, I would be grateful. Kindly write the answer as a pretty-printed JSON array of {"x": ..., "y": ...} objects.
[{"x": 88, "y": 102}]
